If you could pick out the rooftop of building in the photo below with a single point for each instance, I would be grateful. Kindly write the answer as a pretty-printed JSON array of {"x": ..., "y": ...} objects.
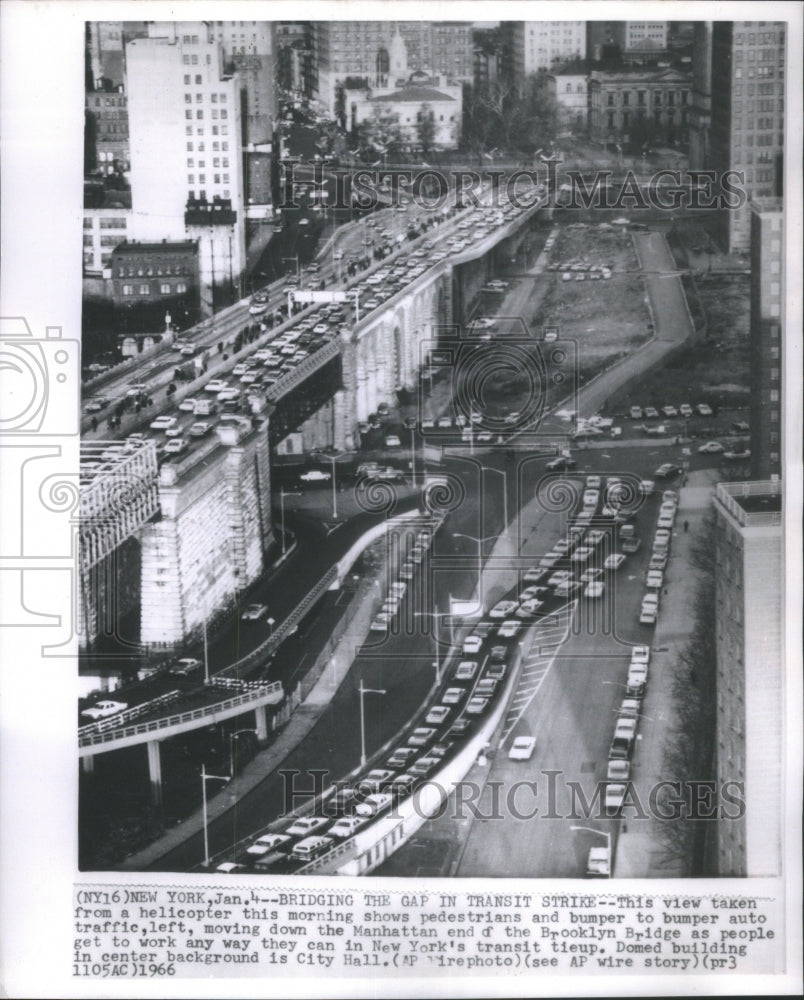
[
  {"x": 417, "y": 94},
  {"x": 162, "y": 246},
  {"x": 627, "y": 74},
  {"x": 753, "y": 504}
]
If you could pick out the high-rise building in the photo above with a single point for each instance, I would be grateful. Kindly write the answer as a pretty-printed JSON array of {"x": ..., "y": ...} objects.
[
  {"x": 749, "y": 569},
  {"x": 532, "y": 46},
  {"x": 700, "y": 115},
  {"x": 747, "y": 131},
  {"x": 185, "y": 136},
  {"x": 767, "y": 336},
  {"x": 631, "y": 35}
]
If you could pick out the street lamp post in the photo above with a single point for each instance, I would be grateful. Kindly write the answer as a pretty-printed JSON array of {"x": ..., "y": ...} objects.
[
  {"x": 332, "y": 459},
  {"x": 437, "y": 615},
  {"x": 232, "y": 738},
  {"x": 480, "y": 543},
  {"x": 204, "y": 779},
  {"x": 413, "y": 455},
  {"x": 364, "y": 691},
  {"x": 282, "y": 496},
  {"x": 501, "y": 472}
]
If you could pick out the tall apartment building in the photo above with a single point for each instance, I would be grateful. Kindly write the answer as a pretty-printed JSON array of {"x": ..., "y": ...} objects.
[
  {"x": 639, "y": 35},
  {"x": 747, "y": 131},
  {"x": 767, "y": 336},
  {"x": 749, "y": 575},
  {"x": 700, "y": 115},
  {"x": 185, "y": 136},
  {"x": 363, "y": 49},
  {"x": 532, "y": 46},
  {"x": 294, "y": 49}
]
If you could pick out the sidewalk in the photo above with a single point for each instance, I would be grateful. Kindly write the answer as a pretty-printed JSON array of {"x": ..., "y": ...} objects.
[{"x": 641, "y": 849}]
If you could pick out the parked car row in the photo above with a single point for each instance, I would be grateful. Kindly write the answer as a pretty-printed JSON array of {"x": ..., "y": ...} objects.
[{"x": 685, "y": 410}]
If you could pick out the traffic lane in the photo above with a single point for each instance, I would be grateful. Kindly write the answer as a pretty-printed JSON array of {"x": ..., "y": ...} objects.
[{"x": 332, "y": 746}]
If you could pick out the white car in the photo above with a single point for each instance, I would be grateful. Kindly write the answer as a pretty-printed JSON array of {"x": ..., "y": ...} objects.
[
  {"x": 392, "y": 441},
  {"x": 598, "y": 864},
  {"x": 593, "y": 482},
  {"x": 162, "y": 423},
  {"x": 254, "y": 612},
  {"x": 710, "y": 448},
  {"x": 502, "y": 609},
  {"x": 268, "y": 842},
  {"x": 215, "y": 385},
  {"x": 509, "y": 629},
  {"x": 453, "y": 695},
  {"x": 315, "y": 476},
  {"x": 346, "y": 826},
  {"x": 665, "y": 520},
  {"x": 306, "y": 825},
  {"x": 640, "y": 654},
  {"x": 101, "y": 709},
  {"x": 199, "y": 428},
  {"x": 528, "y": 608},
  {"x": 647, "y": 486},
  {"x": 176, "y": 446},
  {"x": 648, "y": 615},
  {"x": 619, "y": 770},
  {"x": 437, "y": 715},
  {"x": 614, "y": 561},
  {"x": 655, "y": 579},
  {"x": 590, "y": 575},
  {"x": 594, "y": 589},
  {"x": 582, "y": 554},
  {"x": 522, "y": 748},
  {"x": 558, "y": 578},
  {"x": 615, "y": 794},
  {"x": 188, "y": 405},
  {"x": 704, "y": 409},
  {"x": 477, "y": 706}
]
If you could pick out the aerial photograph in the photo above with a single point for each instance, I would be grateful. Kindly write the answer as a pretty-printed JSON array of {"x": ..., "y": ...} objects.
[{"x": 431, "y": 461}]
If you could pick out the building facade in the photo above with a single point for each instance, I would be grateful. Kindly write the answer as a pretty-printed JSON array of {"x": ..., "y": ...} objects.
[
  {"x": 640, "y": 35},
  {"x": 569, "y": 86},
  {"x": 407, "y": 105},
  {"x": 748, "y": 115},
  {"x": 767, "y": 336},
  {"x": 639, "y": 105},
  {"x": 186, "y": 164},
  {"x": 104, "y": 229},
  {"x": 153, "y": 280},
  {"x": 534, "y": 46},
  {"x": 749, "y": 575},
  {"x": 700, "y": 116}
]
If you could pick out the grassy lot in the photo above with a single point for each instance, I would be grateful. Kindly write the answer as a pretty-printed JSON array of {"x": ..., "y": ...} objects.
[
  {"x": 606, "y": 318},
  {"x": 717, "y": 371}
]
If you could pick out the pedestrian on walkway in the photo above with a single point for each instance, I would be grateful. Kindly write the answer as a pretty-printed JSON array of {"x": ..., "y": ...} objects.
[{"x": 686, "y": 527}]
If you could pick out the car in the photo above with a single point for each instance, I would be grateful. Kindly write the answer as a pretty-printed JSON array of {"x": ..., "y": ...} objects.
[
  {"x": 254, "y": 612},
  {"x": 619, "y": 769},
  {"x": 666, "y": 471},
  {"x": 315, "y": 476},
  {"x": 629, "y": 708},
  {"x": 598, "y": 864},
  {"x": 685, "y": 410},
  {"x": 529, "y": 608},
  {"x": 615, "y": 795},
  {"x": 502, "y": 609},
  {"x": 590, "y": 575},
  {"x": 651, "y": 599},
  {"x": 640, "y": 654},
  {"x": 534, "y": 574},
  {"x": 374, "y": 781},
  {"x": 670, "y": 411},
  {"x": 421, "y": 737},
  {"x": 662, "y": 536},
  {"x": 176, "y": 446},
  {"x": 95, "y": 405},
  {"x": 459, "y": 727},
  {"x": 162, "y": 423},
  {"x": 103, "y": 709},
  {"x": 582, "y": 554},
  {"x": 651, "y": 412},
  {"x": 306, "y": 825},
  {"x": 593, "y": 482},
  {"x": 591, "y": 498},
  {"x": 465, "y": 670},
  {"x": 401, "y": 757},
  {"x": 346, "y": 826},
  {"x": 669, "y": 495},
  {"x": 568, "y": 589},
  {"x": 647, "y": 486},
  {"x": 648, "y": 616},
  {"x": 710, "y": 448},
  {"x": 631, "y": 545},
  {"x": 185, "y": 666},
  {"x": 665, "y": 519},
  {"x": 215, "y": 385},
  {"x": 230, "y": 867},
  {"x": 138, "y": 389},
  {"x": 498, "y": 654},
  {"x": 655, "y": 579},
  {"x": 374, "y": 804},
  {"x": 522, "y": 748},
  {"x": 188, "y": 405},
  {"x": 562, "y": 462},
  {"x": 550, "y": 559},
  {"x": 658, "y": 560},
  {"x": 635, "y": 412},
  {"x": 594, "y": 589},
  {"x": 380, "y": 623},
  {"x": 402, "y": 785},
  {"x": 704, "y": 409},
  {"x": 509, "y": 629},
  {"x": 453, "y": 695},
  {"x": 476, "y": 706},
  {"x": 392, "y": 441},
  {"x": 200, "y": 428},
  {"x": 268, "y": 842},
  {"x": 559, "y": 577},
  {"x": 437, "y": 715}
]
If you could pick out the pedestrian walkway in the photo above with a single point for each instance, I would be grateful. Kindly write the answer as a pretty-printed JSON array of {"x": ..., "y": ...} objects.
[{"x": 644, "y": 846}]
